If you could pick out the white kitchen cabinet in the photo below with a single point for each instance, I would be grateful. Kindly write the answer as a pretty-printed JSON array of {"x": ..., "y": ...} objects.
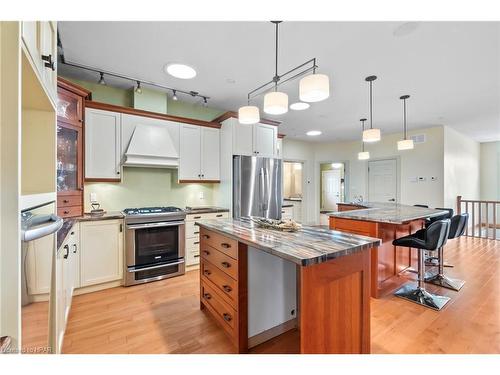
[
  {"x": 254, "y": 140},
  {"x": 199, "y": 153},
  {"x": 101, "y": 251},
  {"x": 192, "y": 254},
  {"x": 264, "y": 139},
  {"x": 40, "y": 42},
  {"x": 210, "y": 153},
  {"x": 39, "y": 265},
  {"x": 102, "y": 144}
]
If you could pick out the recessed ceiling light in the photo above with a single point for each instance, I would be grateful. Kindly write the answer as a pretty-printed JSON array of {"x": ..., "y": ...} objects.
[
  {"x": 299, "y": 106},
  {"x": 181, "y": 71},
  {"x": 230, "y": 80},
  {"x": 313, "y": 133}
]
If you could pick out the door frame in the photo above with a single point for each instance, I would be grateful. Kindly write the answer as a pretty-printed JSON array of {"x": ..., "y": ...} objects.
[
  {"x": 317, "y": 184},
  {"x": 305, "y": 192},
  {"x": 398, "y": 176},
  {"x": 322, "y": 180}
]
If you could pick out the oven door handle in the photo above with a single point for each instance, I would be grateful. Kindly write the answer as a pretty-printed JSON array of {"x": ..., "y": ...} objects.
[
  {"x": 156, "y": 225},
  {"x": 133, "y": 269}
]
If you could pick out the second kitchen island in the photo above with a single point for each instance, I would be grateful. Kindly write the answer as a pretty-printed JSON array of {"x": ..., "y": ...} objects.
[{"x": 332, "y": 283}]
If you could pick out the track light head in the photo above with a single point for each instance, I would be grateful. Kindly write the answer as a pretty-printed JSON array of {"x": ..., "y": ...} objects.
[
  {"x": 138, "y": 89},
  {"x": 205, "y": 103},
  {"x": 174, "y": 96},
  {"x": 101, "y": 79}
]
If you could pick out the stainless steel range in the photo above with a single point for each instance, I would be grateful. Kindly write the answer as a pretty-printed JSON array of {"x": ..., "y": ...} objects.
[{"x": 154, "y": 244}]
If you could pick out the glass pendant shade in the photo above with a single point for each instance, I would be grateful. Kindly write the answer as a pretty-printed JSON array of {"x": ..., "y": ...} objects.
[
  {"x": 248, "y": 114},
  {"x": 365, "y": 155},
  {"x": 371, "y": 135},
  {"x": 405, "y": 144},
  {"x": 314, "y": 88},
  {"x": 276, "y": 103}
]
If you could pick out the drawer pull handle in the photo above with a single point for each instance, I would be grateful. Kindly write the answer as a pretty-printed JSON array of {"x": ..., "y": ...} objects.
[
  {"x": 207, "y": 296},
  {"x": 219, "y": 215},
  {"x": 225, "y": 245},
  {"x": 66, "y": 247},
  {"x": 227, "y": 288},
  {"x": 197, "y": 217},
  {"x": 196, "y": 232},
  {"x": 196, "y": 243},
  {"x": 206, "y": 236},
  {"x": 207, "y": 272},
  {"x": 197, "y": 256},
  {"x": 226, "y": 264},
  {"x": 227, "y": 317},
  {"x": 75, "y": 248},
  {"x": 206, "y": 252}
]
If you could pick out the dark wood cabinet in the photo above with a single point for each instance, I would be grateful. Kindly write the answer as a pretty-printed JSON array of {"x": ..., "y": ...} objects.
[{"x": 70, "y": 125}]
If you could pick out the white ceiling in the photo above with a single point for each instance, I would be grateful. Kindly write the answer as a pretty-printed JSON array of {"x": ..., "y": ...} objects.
[{"x": 450, "y": 69}]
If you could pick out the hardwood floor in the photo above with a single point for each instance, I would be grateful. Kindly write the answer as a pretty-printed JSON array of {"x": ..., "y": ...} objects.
[{"x": 164, "y": 316}]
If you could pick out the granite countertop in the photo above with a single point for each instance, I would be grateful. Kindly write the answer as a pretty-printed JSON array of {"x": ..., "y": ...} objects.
[
  {"x": 392, "y": 213},
  {"x": 308, "y": 246},
  {"x": 70, "y": 221},
  {"x": 204, "y": 210}
]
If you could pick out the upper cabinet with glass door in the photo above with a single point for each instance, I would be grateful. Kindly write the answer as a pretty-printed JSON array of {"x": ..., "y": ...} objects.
[{"x": 40, "y": 45}]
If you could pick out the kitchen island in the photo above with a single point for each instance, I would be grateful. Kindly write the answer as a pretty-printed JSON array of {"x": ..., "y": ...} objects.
[
  {"x": 333, "y": 282},
  {"x": 386, "y": 221}
]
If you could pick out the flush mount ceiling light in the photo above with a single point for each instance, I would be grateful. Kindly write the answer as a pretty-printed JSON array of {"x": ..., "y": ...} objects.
[
  {"x": 363, "y": 155},
  {"x": 312, "y": 88},
  {"x": 405, "y": 143},
  {"x": 181, "y": 71},
  {"x": 371, "y": 135},
  {"x": 313, "y": 133},
  {"x": 299, "y": 106}
]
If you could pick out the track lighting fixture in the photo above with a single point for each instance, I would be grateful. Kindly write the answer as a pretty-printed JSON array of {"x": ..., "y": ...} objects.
[
  {"x": 101, "y": 79},
  {"x": 174, "y": 96},
  {"x": 138, "y": 89}
]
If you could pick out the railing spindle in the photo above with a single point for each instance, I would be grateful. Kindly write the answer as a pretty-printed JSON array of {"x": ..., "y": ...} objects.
[
  {"x": 467, "y": 211},
  {"x": 494, "y": 221},
  {"x": 473, "y": 219},
  {"x": 487, "y": 221}
]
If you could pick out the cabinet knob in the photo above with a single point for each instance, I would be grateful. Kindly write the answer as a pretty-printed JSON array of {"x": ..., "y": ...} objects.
[
  {"x": 225, "y": 245},
  {"x": 66, "y": 212},
  {"x": 207, "y": 296},
  {"x": 206, "y": 252},
  {"x": 227, "y": 288},
  {"x": 118, "y": 172},
  {"x": 206, "y": 236},
  {"x": 65, "y": 201},
  {"x": 227, "y": 317},
  {"x": 226, "y": 264},
  {"x": 207, "y": 272}
]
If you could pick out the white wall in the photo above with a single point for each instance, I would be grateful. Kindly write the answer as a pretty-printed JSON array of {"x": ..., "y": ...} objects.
[
  {"x": 461, "y": 167},
  {"x": 490, "y": 171},
  {"x": 426, "y": 160}
]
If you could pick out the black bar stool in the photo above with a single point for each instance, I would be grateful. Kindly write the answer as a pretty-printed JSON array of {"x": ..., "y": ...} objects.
[
  {"x": 433, "y": 260},
  {"x": 457, "y": 229},
  {"x": 430, "y": 238}
]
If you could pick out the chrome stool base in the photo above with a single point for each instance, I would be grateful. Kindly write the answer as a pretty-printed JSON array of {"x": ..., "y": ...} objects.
[
  {"x": 445, "y": 282},
  {"x": 434, "y": 262},
  {"x": 416, "y": 294}
]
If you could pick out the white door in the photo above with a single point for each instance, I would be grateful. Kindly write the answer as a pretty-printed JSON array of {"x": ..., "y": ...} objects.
[
  {"x": 243, "y": 139},
  {"x": 210, "y": 153},
  {"x": 190, "y": 152},
  {"x": 101, "y": 252},
  {"x": 264, "y": 140},
  {"x": 331, "y": 188},
  {"x": 382, "y": 181},
  {"x": 102, "y": 144}
]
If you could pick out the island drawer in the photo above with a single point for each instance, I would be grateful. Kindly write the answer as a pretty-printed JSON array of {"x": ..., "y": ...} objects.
[
  {"x": 225, "y": 245},
  {"x": 222, "y": 312},
  {"x": 220, "y": 260},
  {"x": 225, "y": 284}
]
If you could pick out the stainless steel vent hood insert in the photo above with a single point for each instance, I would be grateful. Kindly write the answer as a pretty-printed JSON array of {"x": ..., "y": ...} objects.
[{"x": 151, "y": 146}]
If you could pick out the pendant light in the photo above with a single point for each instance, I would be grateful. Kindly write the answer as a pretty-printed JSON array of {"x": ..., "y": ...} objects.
[
  {"x": 371, "y": 135},
  {"x": 248, "y": 114},
  {"x": 276, "y": 102},
  {"x": 363, "y": 155},
  {"x": 405, "y": 143},
  {"x": 314, "y": 87}
]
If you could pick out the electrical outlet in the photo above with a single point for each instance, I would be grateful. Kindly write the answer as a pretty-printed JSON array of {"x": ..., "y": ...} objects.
[
  {"x": 202, "y": 195},
  {"x": 93, "y": 197}
]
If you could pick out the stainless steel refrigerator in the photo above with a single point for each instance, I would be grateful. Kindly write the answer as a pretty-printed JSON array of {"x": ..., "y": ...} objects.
[{"x": 257, "y": 189}]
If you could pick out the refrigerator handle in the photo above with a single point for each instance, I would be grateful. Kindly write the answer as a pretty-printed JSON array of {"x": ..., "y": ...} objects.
[{"x": 265, "y": 184}]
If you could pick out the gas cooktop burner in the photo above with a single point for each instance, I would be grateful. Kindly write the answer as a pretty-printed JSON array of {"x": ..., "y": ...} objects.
[{"x": 150, "y": 210}]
